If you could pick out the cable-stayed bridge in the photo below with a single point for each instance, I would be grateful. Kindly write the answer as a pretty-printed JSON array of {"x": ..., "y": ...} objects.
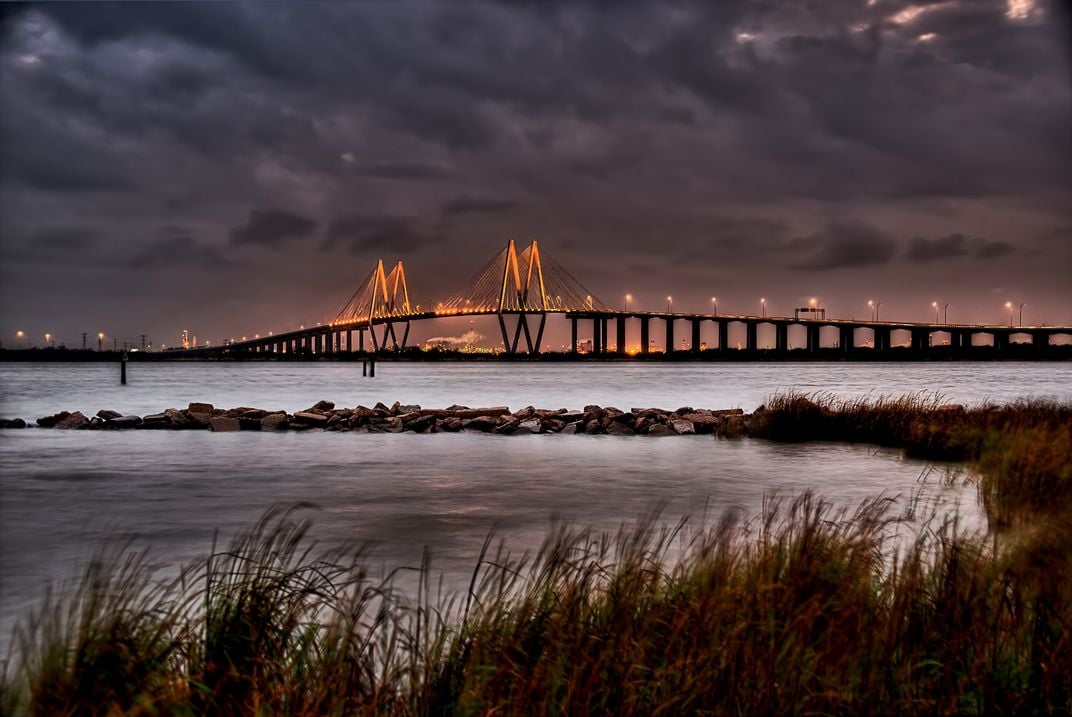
[{"x": 521, "y": 288}]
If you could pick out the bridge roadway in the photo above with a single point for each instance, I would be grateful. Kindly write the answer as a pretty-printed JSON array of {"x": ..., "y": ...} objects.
[{"x": 338, "y": 337}]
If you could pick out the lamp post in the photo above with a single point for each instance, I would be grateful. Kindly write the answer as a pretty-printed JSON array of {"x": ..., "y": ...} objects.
[
  {"x": 1021, "y": 313},
  {"x": 763, "y": 307},
  {"x": 628, "y": 298},
  {"x": 871, "y": 304},
  {"x": 935, "y": 305},
  {"x": 945, "y": 314},
  {"x": 1008, "y": 305},
  {"x": 100, "y": 341},
  {"x": 714, "y": 305},
  {"x": 19, "y": 335},
  {"x": 48, "y": 339},
  {"x": 669, "y": 304}
]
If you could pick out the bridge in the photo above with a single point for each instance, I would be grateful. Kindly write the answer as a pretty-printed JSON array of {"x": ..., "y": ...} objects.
[{"x": 522, "y": 288}]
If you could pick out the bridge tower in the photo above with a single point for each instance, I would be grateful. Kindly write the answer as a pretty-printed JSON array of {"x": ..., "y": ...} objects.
[
  {"x": 383, "y": 298},
  {"x": 522, "y": 298}
]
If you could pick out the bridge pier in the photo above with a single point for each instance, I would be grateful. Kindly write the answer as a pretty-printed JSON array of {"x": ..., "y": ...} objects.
[
  {"x": 645, "y": 336},
  {"x": 881, "y": 338},
  {"x": 813, "y": 337},
  {"x": 751, "y": 335},
  {"x": 781, "y": 337},
  {"x": 695, "y": 336},
  {"x": 573, "y": 335},
  {"x": 597, "y": 340},
  {"x": 1040, "y": 340},
  {"x": 921, "y": 339},
  {"x": 669, "y": 334},
  {"x": 723, "y": 336},
  {"x": 605, "y": 333},
  {"x": 621, "y": 334},
  {"x": 1001, "y": 340},
  {"x": 847, "y": 338}
]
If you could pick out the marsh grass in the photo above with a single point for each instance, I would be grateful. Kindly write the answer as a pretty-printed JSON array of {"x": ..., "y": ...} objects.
[
  {"x": 1022, "y": 450},
  {"x": 802, "y": 609}
]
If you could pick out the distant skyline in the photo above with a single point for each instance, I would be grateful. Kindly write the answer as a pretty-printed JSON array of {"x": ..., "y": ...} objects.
[{"x": 238, "y": 168}]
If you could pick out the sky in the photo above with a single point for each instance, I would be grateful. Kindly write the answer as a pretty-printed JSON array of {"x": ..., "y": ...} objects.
[{"x": 235, "y": 169}]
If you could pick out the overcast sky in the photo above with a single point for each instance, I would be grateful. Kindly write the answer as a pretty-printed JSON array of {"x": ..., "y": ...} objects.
[{"x": 234, "y": 168}]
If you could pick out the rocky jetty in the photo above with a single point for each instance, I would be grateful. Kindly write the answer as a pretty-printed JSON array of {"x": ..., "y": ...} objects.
[{"x": 398, "y": 418}]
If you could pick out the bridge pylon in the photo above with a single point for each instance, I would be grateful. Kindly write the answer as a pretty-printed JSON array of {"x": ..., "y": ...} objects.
[
  {"x": 522, "y": 298},
  {"x": 383, "y": 298}
]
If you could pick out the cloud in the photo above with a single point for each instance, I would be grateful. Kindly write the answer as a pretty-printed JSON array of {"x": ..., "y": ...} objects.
[
  {"x": 66, "y": 239},
  {"x": 947, "y": 247},
  {"x": 271, "y": 227},
  {"x": 843, "y": 245},
  {"x": 405, "y": 170},
  {"x": 180, "y": 251},
  {"x": 474, "y": 205},
  {"x": 952, "y": 246},
  {"x": 361, "y": 232}
]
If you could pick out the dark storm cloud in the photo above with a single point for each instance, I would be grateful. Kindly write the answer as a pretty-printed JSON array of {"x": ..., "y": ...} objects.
[
  {"x": 947, "y": 247},
  {"x": 74, "y": 239},
  {"x": 476, "y": 205},
  {"x": 952, "y": 246},
  {"x": 361, "y": 232},
  {"x": 844, "y": 244},
  {"x": 180, "y": 251},
  {"x": 651, "y": 132},
  {"x": 272, "y": 227}
]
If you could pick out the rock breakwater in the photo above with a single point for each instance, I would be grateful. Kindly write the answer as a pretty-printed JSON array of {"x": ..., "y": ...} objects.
[{"x": 398, "y": 418}]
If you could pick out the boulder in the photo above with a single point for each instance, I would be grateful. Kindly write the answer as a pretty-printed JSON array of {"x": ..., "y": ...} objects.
[
  {"x": 593, "y": 426},
  {"x": 154, "y": 421},
  {"x": 196, "y": 407},
  {"x": 380, "y": 407},
  {"x": 685, "y": 409},
  {"x": 553, "y": 425},
  {"x": 249, "y": 424},
  {"x": 421, "y": 424},
  {"x": 508, "y": 427},
  {"x": 224, "y": 424},
  {"x": 449, "y": 425},
  {"x": 703, "y": 421},
  {"x": 275, "y": 422},
  {"x": 617, "y": 428},
  {"x": 235, "y": 412},
  {"x": 74, "y": 420},
  {"x": 177, "y": 420},
  {"x": 395, "y": 425},
  {"x": 532, "y": 425},
  {"x": 480, "y": 423},
  {"x": 108, "y": 415},
  {"x": 454, "y": 407},
  {"x": 51, "y": 421},
  {"x": 681, "y": 426},
  {"x": 257, "y": 413},
  {"x": 494, "y": 411},
  {"x": 571, "y": 416},
  {"x": 320, "y": 407},
  {"x": 658, "y": 429},
  {"x": 525, "y": 413},
  {"x": 12, "y": 423},
  {"x": 201, "y": 419},
  {"x": 570, "y": 428},
  {"x": 409, "y": 408},
  {"x": 309, "y": 418},
  {"x": 122, "y": 422}
]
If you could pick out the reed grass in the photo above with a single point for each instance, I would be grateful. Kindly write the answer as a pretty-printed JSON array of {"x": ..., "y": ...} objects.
[{"x": 802, "y": 609}]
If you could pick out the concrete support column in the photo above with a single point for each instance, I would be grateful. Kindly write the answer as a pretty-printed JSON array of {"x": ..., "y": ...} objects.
[
  {"x": 751, "y": 335},
  {"x": 813, "y": 337},
  {"x": 723, "y": 336},
  {"x": 597, "y": 340},
  {"x": 781, "y": 337},
  {"x": 669, "y": 334},
  {"x": 881, "y": 339},
  {"x": 1040, "y": 340},
  {"x": 361, "y": 340},
  {"x": 847, "y": 338},
  {"x": 573, "y": 334},
  {"x": 1001, "y": 341},
  {"x": 604, "y": 329},
  {"x": 645, "y": 336},
  {"x": 695, "y": 336},
  {"x": 920, "y": 339},
  {"x": 621, "y": 334}
]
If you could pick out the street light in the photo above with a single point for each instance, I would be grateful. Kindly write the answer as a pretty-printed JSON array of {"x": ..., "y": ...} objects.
[
  {"x": 763, "y": 308},
  {"x": 945, "y": 314},
  {"x": 48, "y": 339},
  {"x": 100, "y": 341},
  {"x": 1008, "y": 305},
  {"x": 935, "y": 305},
  {"x": 1021, "y": 313},
  {"x": 871, "y": 304},
  {"x": 714, "y": 305},
  {"x": 669, "y": 304},
  {"x": 628, "y": 298}
]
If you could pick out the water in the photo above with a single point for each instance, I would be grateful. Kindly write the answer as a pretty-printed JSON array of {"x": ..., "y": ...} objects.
[{"x": 63, "y": 492}]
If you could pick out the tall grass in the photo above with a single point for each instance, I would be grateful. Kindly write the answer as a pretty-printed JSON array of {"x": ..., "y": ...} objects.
[
  {"x": 1023, "y": 450},
  {"x": 802, "y": 609}
]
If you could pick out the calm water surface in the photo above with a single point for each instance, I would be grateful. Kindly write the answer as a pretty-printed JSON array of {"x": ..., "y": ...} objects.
[{"x": 62, "y": 493}]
